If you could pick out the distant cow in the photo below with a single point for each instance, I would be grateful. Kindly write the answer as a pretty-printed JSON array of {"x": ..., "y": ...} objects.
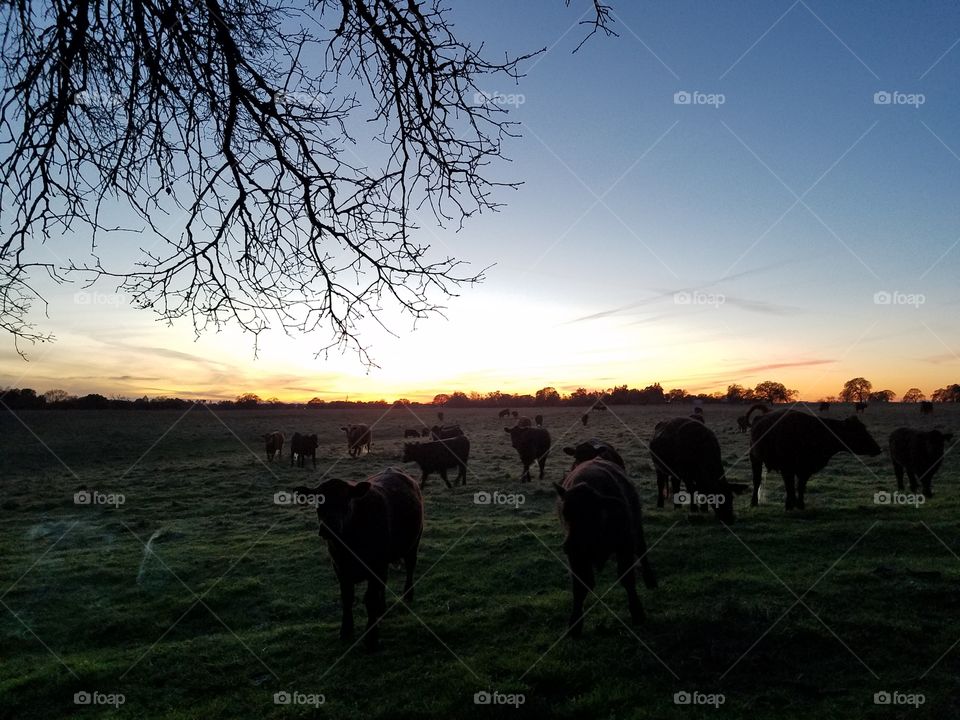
[
  {"x": 593, "y": 448},
  {"x": 368, "y": 526},
  {"x": 426, "y": 432},
  {"x": 599, "y": 407},
  {"x": 439, "y": 432},
  {"x": 302, "y": 446},
  {"x": 359, "y": 436},
  {"x": 514, "y": 413},
  {"x": 533, "y": 445},
  {"x": 503, "y": 413},
  {"x": 584, "y": 419},
  {"x": 439, "y": 456},
  {"x": 274, "y": 443},
  {"x": 524, "y": 421},
  {"x": 799, "y": 444},
  {"x": 926, "y": 407},
  {"x": 538, "y": 419},
  {"x": 824, "y": 406},
  {"x": 440, "y": 416},
  {"x": 743, "y": 422},
  {"x": 685, "y": 451},
  {"x": 411, "y": 432},
  {"x": 860, "y": 406},
  {"x": 918, "y": 453},
  {"x": 600, "y": 512}
]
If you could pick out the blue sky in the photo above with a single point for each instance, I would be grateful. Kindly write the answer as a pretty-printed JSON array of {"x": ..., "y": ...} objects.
[{"x": 692, "y": 244}]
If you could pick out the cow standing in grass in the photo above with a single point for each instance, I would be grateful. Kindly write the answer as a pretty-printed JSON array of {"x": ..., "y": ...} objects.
[
  {"x": 359, "y": 436},
  {"x": 274, "y": 445},
  {"x": 440, "y": 456},
  {"x": 799, "y": 444},
  {"x": 368, "y": 526},
  {"x": 303, "y": 446},
  {"x": 533, "y": 445},
  {"x": 919, "y": 454},
  {"x": 600, "y": 511},
  {"x": 593, "y": 448}
]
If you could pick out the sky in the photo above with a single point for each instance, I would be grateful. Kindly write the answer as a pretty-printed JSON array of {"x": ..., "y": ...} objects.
[{"x": 723, "y": 193}]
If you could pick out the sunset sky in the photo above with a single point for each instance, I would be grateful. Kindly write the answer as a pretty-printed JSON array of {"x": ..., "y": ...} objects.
[{"x": 804, "y": 230}]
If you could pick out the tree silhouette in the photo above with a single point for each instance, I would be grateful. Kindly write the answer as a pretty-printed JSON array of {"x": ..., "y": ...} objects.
[
  {"x": 856, "y": 390},
  {"x": 914, "y": 395},
  {"x": 293, "y": 187},
  {"x": 773, "y": 392}
]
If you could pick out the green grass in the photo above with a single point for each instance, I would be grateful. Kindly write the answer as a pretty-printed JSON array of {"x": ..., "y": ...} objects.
[{"x": 239, "y": 600}]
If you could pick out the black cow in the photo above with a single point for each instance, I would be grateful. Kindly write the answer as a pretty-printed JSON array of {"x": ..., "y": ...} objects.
[
  {"x": 799, "y": 444},
  {"x": 918, "y": 453},
  {"x": 439, "y": 456},
  {"x": 274, "y": 445},
  {"x": 359, "y": 436},
  {"x": 301, "y": 446},
  {"x": 538, "y": 419},
  {"x": 532, "y": 444},
  {"x": 411, "y": 432},
  {"x": 503, "y": 413},
  {"x": 860, "y": 407},
  {"x": 368, "y": 526},
  {"x": 593, "y": 448},
  {"x": 440, "y": 432},
  {"x": 600, "y": 511}
]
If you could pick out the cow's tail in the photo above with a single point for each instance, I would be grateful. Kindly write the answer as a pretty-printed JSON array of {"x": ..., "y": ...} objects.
[{"x": 763, "y": 409}]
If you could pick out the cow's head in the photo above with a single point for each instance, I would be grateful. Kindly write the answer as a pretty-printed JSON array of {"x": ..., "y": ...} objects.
[
  {"x": 410, "y": 452},
  {"x": 515, "y": 434},
  {"x": 590, "y": 449},
  {"x": 858, "y": 439},
  {"x": 337, "y": 505}
]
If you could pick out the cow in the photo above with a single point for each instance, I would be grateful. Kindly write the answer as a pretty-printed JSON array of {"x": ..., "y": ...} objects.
[
  {"x": 514, "y": 413},
  {"x": 743, "y": 422},
  {"x": 600, "y": 511},
  {"x": 699, "y": 418},
  {"x": 538, "y": 419},
  {"x": 440, "y": 416},
  {"x": 593, "y": 448},
  {"x": 686, "y": 451},
  {"x": 274, "y": 444},
  {"x": 368, "y": 526},
  {"x": 440, "y": 432},
  {"x": 599, "y": 407},
  {"x": 585, "y": 419},
  {"x": 532, "y": 444},
  {"x": 438, "y": 456},
  {"x": 411, "y": 432},
  {"x": 860, "y": 407},
  {"x": 926, "y": 407},
  {"x": 503, "y": 413},
  {"x": 799, "y": 444},
  {"x": 358, "y": 437},
  {"x": 918, "y": 453},
  {"x": 824, "y": 406},
  {"x": 524, "y": 421},
  {"x": 427, "y": 432},
  {"x": 301, "y": 446}
]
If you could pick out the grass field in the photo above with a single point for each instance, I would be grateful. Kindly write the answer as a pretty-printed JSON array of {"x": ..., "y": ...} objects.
[{"x": 811, "y": 612}]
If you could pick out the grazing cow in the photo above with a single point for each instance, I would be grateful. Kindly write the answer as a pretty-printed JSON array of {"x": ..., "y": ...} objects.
[
  {"x": 427, "y": 432},
  {"x": 926, "y": 407},
  {"x": 411, "y": 432},
  {"x": 824, "y": 406},
  {"x": 440, "y": 416},
  {"x": 503, "y": 413},
  {"x": 274, "y": 443},
  {"x": 514, "y": 413},
  {"x": 743, "y": 422},
  {"x": 538, "y": 419},
  {"x": 524, "y": 421},
  {"x": 585, "y": 419},
  {"x": 592, "y": 448},
  {"x": 600, "y": 511},
  {"x": 799, "y": 444},
  {"x": 358, "y": 437},
  {"x": 918, "y": 453},
  {"x": 685, "y": 451},
  {"x": 599, "y": 406},
  {"x": 699, "y": 418},
  {"x": 440, "y": 432},
  {"x": 860, "y": 406},
  {"x": 368, "y": 526},
  {"x": 301, "y": 446},
  {"x": 439, "y": 456},
  {"x": 532, "y": 444}
]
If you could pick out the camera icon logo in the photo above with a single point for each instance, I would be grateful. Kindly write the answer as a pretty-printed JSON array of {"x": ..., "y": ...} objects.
[
  {"x": 882, "y": 97},
  {"x": 482, "y": 698},
  {"x": 682, "y": 97},
  {"x": 482, "y": 498},
  {"x": 82, "y": 698},
  {"x": 281, "y": 698},
  {"x": 682, "y": 698},
  {"x": 882, "y": 698}
]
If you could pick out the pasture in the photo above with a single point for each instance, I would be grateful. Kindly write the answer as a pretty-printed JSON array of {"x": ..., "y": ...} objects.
[{"x": 235, "y": 600}]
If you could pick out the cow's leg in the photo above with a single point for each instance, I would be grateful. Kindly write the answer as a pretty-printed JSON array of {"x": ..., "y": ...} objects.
[
  {"x": 525, "y": 475},
  {"x": 925, "y": 482},
  {"x": 756, "y": 465},
  {"x": 293, "y": 457},
  {"x": 913, "y": 479},
  {"x": 376, "y": 602},
  {"x": 661, "y": 487},
  {"x": 801, "y": 489},
  {"x": 462, "y": 474},
  {"x": 542, "y": 461},
  {"x": 898, "y": 471},
  {"x": 583, "y": 582},
  {"x": 346, "y": 617},
  {"x": 443, "y": 474},
  {"x": 626, "y": 562},
  {"x": 788, "y": 487}
]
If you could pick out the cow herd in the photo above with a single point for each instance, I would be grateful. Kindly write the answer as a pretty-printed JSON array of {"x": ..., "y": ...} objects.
[{"x": 371, "y": 524}]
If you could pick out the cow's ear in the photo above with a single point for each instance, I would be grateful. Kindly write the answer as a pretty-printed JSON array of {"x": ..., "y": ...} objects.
[
  {"x": 569, "y": 450},
  {"x": 561, "y": 491},
  {"x": 360, "y": 489},
  {"x": 739, "y": 488},
  {"x": 343, "y": 428}
]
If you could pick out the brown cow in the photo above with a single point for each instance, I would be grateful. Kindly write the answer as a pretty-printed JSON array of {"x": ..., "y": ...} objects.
[
  {"x": 503, "y": 413},
  {"x": 439, "y": 456},
  {"x": 533, "y": 445},
  {"x": 593, "y": 448},
  {"x": 538, "y": 419},
  {"x": 918, "y": 453},
  {"x": 524, "y": 421},
  {"x": 359, "y": 436},
  {"x": 274, "y": 443},
  {"x": 585, "y": 419}
]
